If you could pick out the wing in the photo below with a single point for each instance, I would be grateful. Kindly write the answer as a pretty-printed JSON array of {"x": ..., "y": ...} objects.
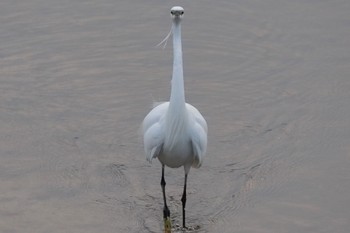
[
  {"x": 153, "y": 132},
  {"x": 198, "y": 134},
  {"x": 153, "y": 140},
  {"x": 197, "y": 116},
  {"x": 155, "y": 115}
]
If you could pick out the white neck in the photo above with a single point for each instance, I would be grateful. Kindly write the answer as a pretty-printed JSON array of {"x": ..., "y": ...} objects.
[
  {"x": 177, "y": 97},
  {"x": 177, "y": 114}
]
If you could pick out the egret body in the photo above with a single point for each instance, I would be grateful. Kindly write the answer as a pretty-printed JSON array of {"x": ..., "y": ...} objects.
[{"x": 175, "y": 132}]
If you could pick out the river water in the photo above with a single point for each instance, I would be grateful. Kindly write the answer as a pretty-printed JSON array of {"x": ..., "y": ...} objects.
[{"x": 271, "y": 77}]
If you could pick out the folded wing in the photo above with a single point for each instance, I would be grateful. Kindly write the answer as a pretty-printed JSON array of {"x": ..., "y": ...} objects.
[
  {"x": 198, "y": 133},
  {"x": 153, "y": 132}
]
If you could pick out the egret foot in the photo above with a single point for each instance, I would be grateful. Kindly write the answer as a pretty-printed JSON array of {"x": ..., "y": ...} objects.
[{"x": 167, "y": 225}]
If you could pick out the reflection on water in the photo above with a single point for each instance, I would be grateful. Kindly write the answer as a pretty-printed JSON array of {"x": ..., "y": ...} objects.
[{"x": 271, "y": 78}]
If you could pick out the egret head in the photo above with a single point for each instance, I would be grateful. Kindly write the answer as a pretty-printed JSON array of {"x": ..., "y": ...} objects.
[{"x": 177, "y": 12}]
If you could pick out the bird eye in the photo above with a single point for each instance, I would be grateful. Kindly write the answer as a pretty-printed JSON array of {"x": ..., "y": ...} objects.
[{"x": 175, "y": 12}]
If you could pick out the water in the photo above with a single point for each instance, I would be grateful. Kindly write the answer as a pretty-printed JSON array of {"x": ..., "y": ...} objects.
[{"x": 271, "y": 77}]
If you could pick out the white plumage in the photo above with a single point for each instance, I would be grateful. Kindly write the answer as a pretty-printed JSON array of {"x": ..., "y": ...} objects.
[
  {"x": 175, "y": 132},
  {"x": 175, "y": 141}
]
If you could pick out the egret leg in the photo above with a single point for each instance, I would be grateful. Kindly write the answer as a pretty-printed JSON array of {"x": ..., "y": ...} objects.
[
  {"x": 166, "y": 212},
  {"x": 183, "y": 200}
]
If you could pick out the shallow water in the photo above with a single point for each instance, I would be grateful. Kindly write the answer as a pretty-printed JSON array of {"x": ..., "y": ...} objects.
[{"x": 271, "y": 78}]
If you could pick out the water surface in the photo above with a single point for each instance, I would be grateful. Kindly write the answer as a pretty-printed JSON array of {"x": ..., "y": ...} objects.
[{"x": 271, "y": 78}]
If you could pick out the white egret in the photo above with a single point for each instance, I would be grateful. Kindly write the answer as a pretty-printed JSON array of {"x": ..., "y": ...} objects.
[{"x": 175, "y": 132}]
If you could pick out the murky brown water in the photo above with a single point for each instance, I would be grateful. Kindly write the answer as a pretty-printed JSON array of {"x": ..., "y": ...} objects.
[{"x": 271, "y": 77}]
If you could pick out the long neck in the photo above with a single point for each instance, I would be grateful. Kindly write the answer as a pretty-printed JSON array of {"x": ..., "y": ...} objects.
[
  {"x": 177, "y": 114},
  {"x": 177, "y": 97}
]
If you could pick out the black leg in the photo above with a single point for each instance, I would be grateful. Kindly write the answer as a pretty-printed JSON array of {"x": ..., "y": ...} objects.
[
  {"x": 183, "y": 200},
  {"x": 166, "y": 212}
]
